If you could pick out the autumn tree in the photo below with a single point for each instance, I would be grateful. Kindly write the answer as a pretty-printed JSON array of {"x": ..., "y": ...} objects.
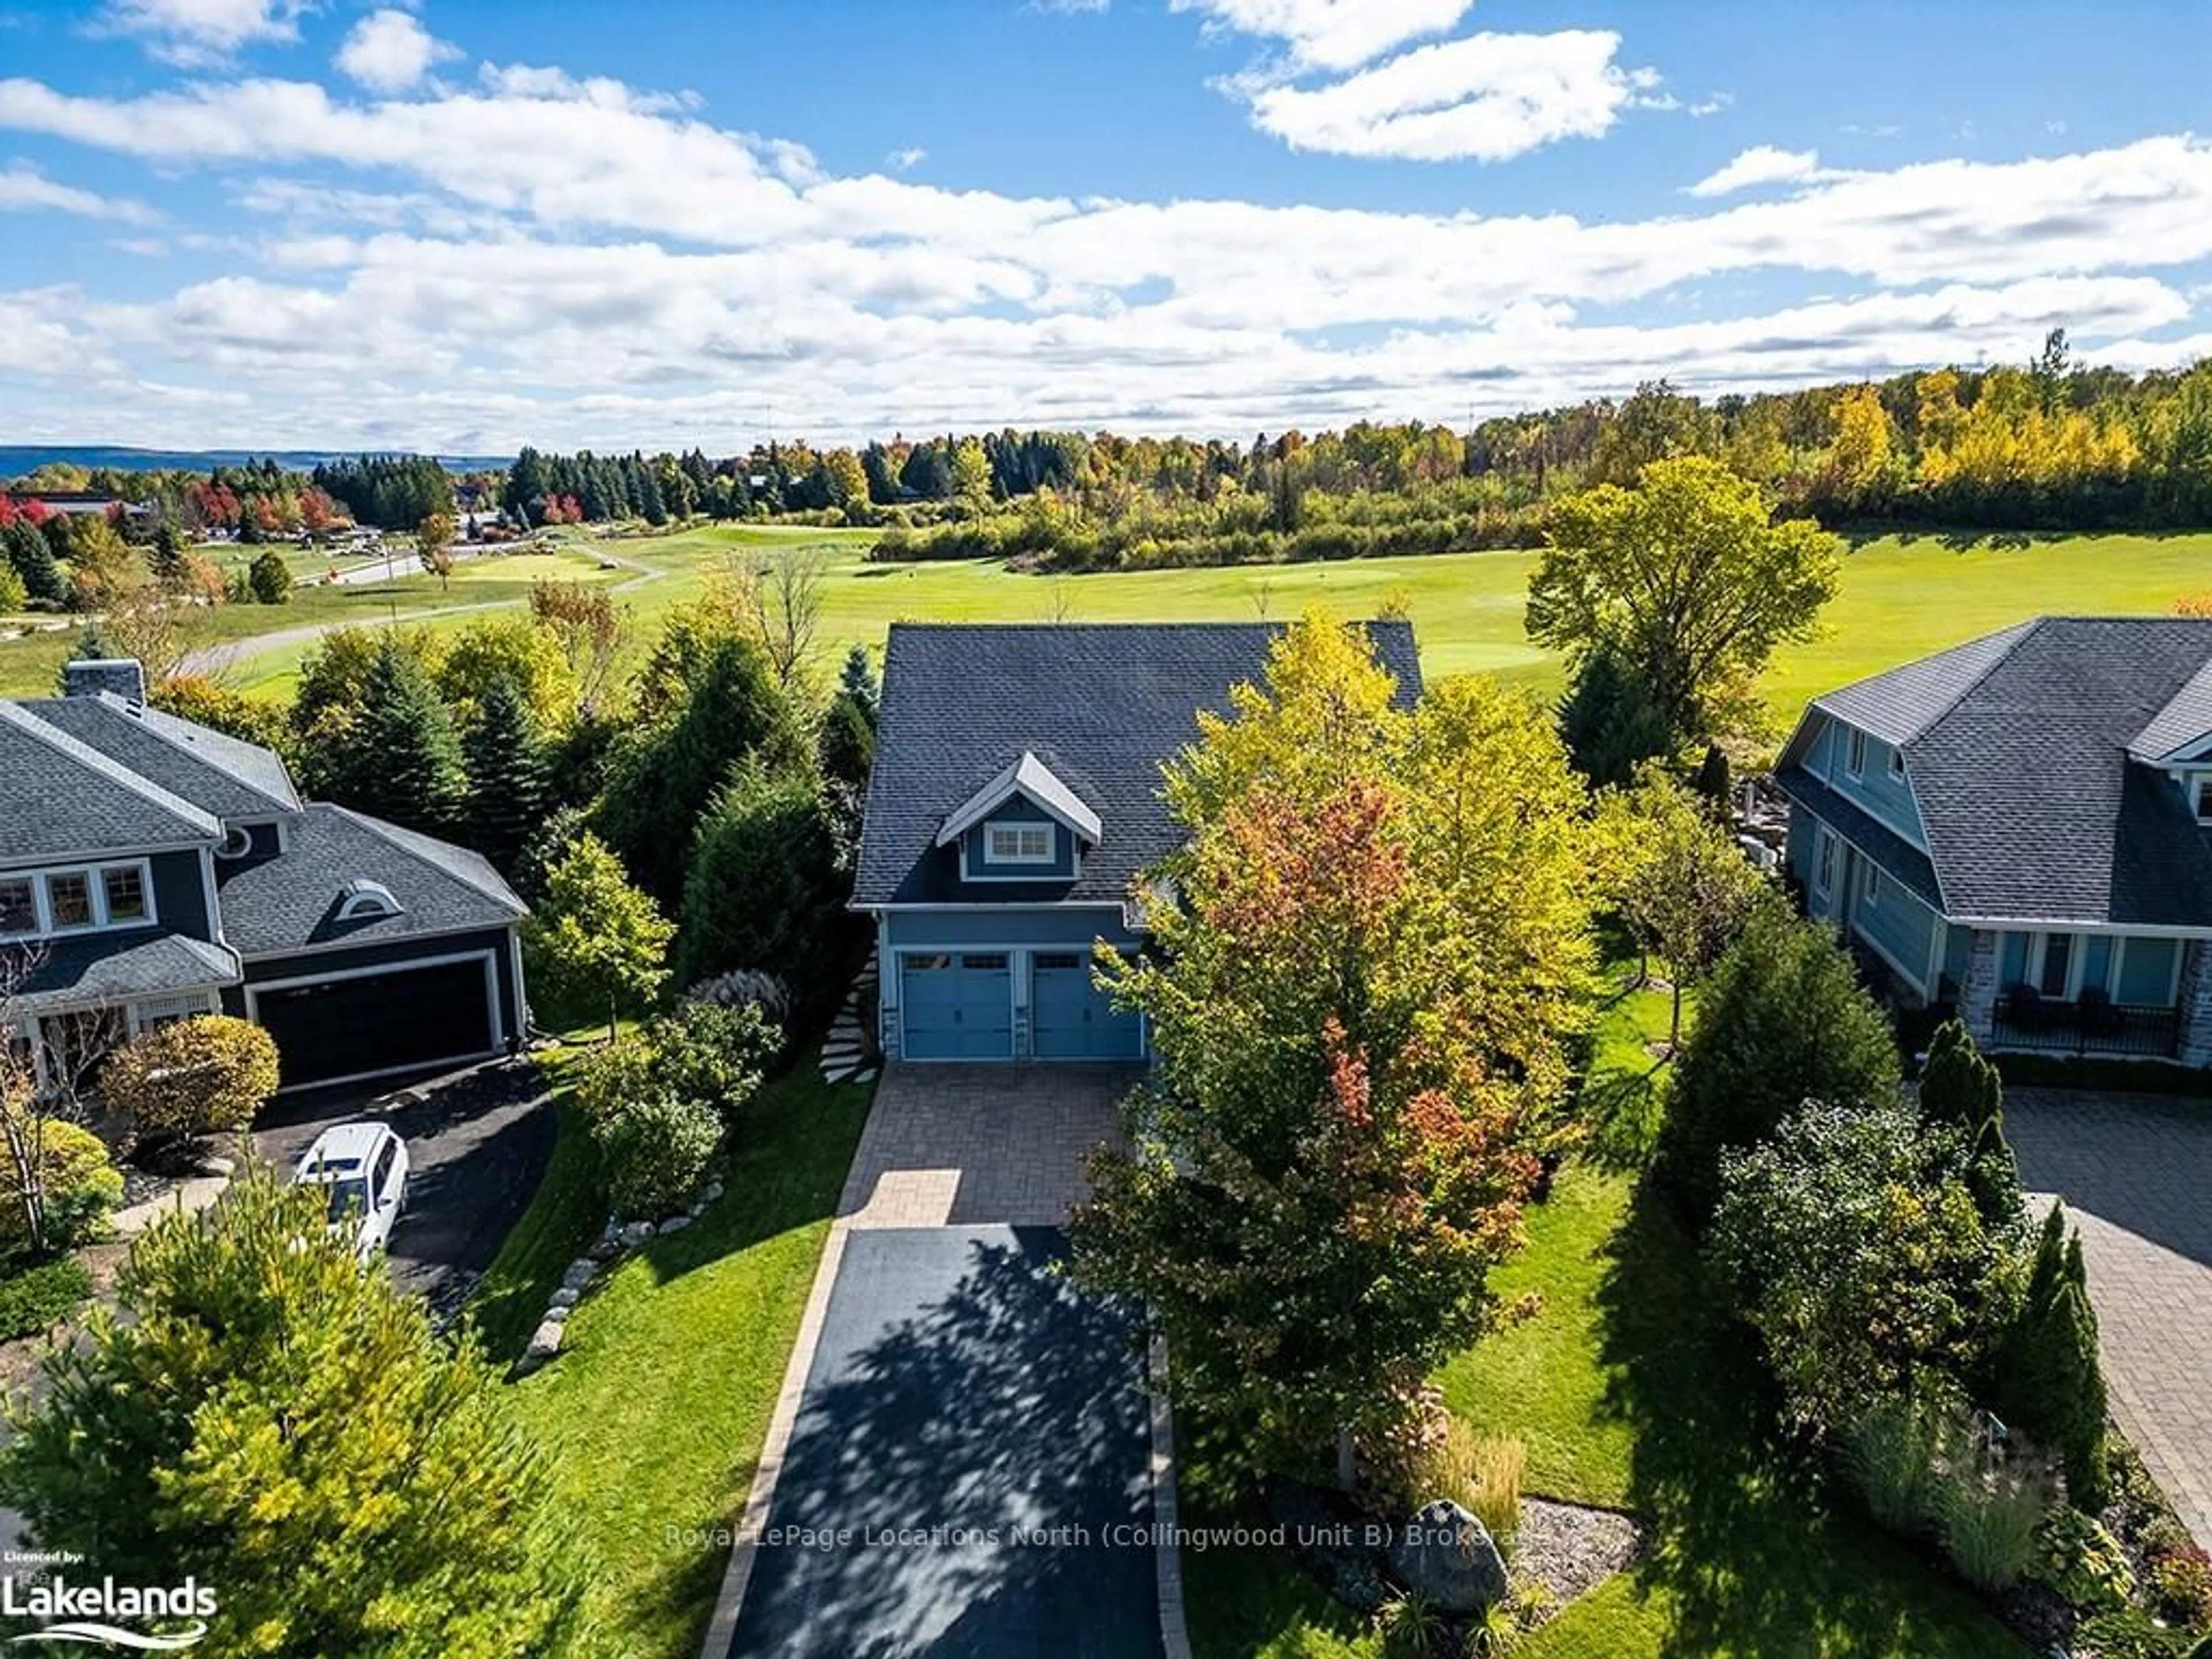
[
  {"x": 264, "y": 1413},
  {"x": 1366, "y": 957},
  {"x": 1685, "y": 580},
  {"x": 587, "y": 628},
  {"x": 191, "y": 1077},
  {"x": 434, "y": 546},
  {"x": 596, "y": 941}
]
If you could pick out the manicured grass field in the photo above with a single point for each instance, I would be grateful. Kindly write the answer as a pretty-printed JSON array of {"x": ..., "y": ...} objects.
[
  {"x": 655, "y": 1411},
  {"x": 1903, "y": 596},
  {"x": 1631, "y": 1390}
]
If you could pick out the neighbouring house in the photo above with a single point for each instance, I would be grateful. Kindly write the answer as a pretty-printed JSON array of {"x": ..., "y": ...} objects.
[
  {"x": 151, "y": 869},
  {"x": 1014, "y": 803},
  {"x": 2016, "y": 831}
]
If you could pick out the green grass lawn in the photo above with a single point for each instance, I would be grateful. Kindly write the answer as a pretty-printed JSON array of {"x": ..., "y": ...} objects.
[
  {"x": 655, "y": 1411},
  {"x": 1633, "y": 1390},
  {"x": 1903, "y": 597}
]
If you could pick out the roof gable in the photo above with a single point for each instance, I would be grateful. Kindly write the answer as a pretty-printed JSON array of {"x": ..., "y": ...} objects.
[
  {"x": 1028, "y": 777},
  {"x": 64, "y": 798},
  {"x": 219, "y": 775}
]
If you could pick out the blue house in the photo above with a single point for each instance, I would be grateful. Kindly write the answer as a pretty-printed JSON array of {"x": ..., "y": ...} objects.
[
  {"x": 1014, "y": 804},
  {"x": 2016, "y": 830},
  {"x": 152, "y": 869}
]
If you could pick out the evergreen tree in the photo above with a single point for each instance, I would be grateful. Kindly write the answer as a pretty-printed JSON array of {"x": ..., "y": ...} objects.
[
  {"x": 2049, "y": 1384},
  {"x": 857, "y": 680},
  {"x": 270, "y": 579},
  {"x": 507, "y": 764},
  {"x": 1961, "y": 1090},
  {"x": 32, "y": 557},
  {"x": 763, "y": 889},
  {"x": 280, "y": 1422},
  {"x": 166, "y": 558},
  {"x": 1610, "y": 724},
  {"x": 402, "y": 759}
]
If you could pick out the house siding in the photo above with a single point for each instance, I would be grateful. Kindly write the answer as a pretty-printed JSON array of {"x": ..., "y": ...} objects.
[
  {"x": 1888, "y": 798},
  {"x": 1897, "y": 925},
  {"x": 180, "y": 894},
  {"x": 1016, "y": 809}
]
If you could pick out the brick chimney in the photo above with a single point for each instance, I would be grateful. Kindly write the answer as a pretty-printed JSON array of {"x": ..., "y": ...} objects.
[{"x": 121, "y": 675}]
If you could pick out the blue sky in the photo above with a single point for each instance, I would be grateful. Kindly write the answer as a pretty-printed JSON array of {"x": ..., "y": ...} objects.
[{"x": 463, "y": 225}]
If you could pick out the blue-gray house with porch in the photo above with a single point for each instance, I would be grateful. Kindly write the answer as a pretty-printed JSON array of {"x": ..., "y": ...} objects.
[
  {"x": 1015, "y": 803},
  {"x": 2019, "y": 830}
]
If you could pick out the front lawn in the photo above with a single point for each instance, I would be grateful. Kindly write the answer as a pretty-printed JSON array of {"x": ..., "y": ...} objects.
[
  {"x": 655, "y": 1410},
  {"x": 1631, "y": 1390}
]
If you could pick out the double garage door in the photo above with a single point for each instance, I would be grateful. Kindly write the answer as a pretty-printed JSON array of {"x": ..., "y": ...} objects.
[
  {"x": 378, "y": 1022},
  {"x": 960, "y": 1005}
]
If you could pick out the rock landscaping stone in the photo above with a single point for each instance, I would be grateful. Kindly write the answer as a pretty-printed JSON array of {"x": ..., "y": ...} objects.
[
  {"x": 868, "y": 1076},
  {"x": 1446, "y": 1556},
  {"x": 713, "y": 1193},
  {"x": 636, "y": 1234},
  {"x": 676, "y": 1223},
  {"x": 558, "y": 1315},
  {"x": 838, "y": 1075},
  {"x": 605, "y": 1248},
  {"x": 544, "y": 1343},
  {"x": 581, "y": 1272},
  {"x": 216, "y": 1164},
  {"x": 566, "y": 1298}
]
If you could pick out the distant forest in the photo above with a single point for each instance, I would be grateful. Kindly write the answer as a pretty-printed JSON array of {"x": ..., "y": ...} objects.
[{"x": 2047, "y": 445}]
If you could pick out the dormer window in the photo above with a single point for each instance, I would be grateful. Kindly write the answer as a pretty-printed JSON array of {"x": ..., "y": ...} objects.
[
  {"x": 1855, "y": 754},
  {"x": 237, "y": 843},
  {"x": 1897, "y": 766},
  {"x": 1017, "y": 843},
  {"x": 364, "y": 900}
]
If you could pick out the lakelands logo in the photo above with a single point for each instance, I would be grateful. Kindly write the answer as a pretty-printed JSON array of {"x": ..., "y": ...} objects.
[{"x": 99, "y": 1615}]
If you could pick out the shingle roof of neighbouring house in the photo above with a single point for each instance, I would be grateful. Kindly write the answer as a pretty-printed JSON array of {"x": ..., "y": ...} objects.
[
  {"x": 1101, "y": 705},
  {"x": 102, "y": 967},
  {"x": 2018, "y": 751},
  {"x": 64, "y": 798},
  {"x": 291, "y": 902},
  {"x": 219, "y": 775}
]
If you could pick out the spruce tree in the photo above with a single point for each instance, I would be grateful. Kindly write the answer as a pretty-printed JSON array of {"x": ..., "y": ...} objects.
[
  {"x": 506, "y": 762},
  {"x": 32, "y": 558},
  {"x": 2049, "y": 1384},
  {"x": 1961, "y": 1090},
  {"x": 857, "y": 680},
  {"x": 406, "y": 760}
]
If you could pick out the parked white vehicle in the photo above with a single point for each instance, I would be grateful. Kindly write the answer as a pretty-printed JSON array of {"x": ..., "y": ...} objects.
[{"x": 364, "y": 1166}]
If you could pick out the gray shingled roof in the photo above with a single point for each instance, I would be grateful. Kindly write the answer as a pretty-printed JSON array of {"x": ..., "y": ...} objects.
[
  {"x": 1899, "y": 706},
  {"x": 94, "y": 968},
  {"x": 1103, "y": 705},
  {"x": 64, "y": 798},
  {"x": 289, "y": 902},
  {"x": 219, "y": 775}
]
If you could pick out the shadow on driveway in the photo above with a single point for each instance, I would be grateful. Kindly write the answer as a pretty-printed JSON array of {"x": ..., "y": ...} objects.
[{"x": 963, "y": 1393}]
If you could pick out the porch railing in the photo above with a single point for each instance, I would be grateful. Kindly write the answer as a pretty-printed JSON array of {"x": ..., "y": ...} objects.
[{"x": 2026, "y": 1020}]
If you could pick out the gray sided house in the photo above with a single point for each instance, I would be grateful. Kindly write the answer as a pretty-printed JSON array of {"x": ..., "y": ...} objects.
[
  {"x": 1016, "y": 801},
  {"x": 151, "y": 869},
  {"x": 2020, "y": 830}
]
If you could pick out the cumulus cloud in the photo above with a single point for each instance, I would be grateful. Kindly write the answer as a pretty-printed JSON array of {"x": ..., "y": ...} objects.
[
  {"x": 1485, "y": 98},
  {"x": 1762, "y": 164},
  {"x": 390, "y": 52},
  {"x": 905, "y": 161},
  {"x": 201, "y": 33},
  {"x": 544, "y": 259},
  {"x": 1330, "y": 34},
  {"x": 24, "y": 189}
]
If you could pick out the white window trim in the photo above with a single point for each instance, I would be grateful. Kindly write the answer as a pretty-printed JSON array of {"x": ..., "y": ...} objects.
[
  {"x": 1870, "y": 890},
  {"x": 1017, "y": 828},
  {"x": 1824, "y": 862},
  {"x": 95, "y": 874},
  {"x": 1897, "y": 764},
  {"x": 1855, "y": 743}
]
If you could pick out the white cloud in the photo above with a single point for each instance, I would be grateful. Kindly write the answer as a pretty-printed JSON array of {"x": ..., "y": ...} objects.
[
  {"x": 1486, "y": 97},
  {"x": 1071, "y": 7},
  {"x": 1331, "y": 34},
  {"x": 390, "y": 52},
  {"x": 200, "y": 34},
  {"x": 23, "y": 188},
  {"x": 906, "y": 160},
  {"x": 1763, "y": 164}
]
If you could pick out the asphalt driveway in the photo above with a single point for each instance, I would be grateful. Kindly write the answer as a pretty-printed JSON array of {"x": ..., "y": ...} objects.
[
  {"x": 968, "y": 1474},
  {"x": 476, "y": 1147},
  {"x": 2135, "y": 1172}
]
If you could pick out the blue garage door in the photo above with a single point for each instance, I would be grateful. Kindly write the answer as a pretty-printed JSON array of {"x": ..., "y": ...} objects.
[
  {"x": 1074, "y": 1019},
  {"x": 958, "y": 1007}
]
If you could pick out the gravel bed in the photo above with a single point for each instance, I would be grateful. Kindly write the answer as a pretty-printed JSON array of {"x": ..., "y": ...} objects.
[{"x": 1572, "y": 1550}]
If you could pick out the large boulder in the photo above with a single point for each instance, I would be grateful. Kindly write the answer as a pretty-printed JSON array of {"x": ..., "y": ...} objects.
[{"x": 1447, "y": 1558}]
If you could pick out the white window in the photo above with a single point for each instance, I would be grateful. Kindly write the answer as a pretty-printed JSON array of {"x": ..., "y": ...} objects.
[
  {"x": 1873, "y": 887},
  {"x": 157, "y": 1011},
  {"x": 19, "y": 905},
  {"x": 1855, "y": 755},
  {"x": 1824, "y": 873},
  {"x": 76, "y": 900},
  {"x": 68, "y": 900},
  {"x": 124, "y": 888},
  {"x": 1897, "y": 765},
  {"x": 1017, "y": 843}
]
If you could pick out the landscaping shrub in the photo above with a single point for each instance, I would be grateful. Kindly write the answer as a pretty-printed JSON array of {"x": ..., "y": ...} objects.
[
  {"x": 1485, "y": 1478},
  {"x": 270, "y": 579},
  {"x": 1961, "y": 1090},
  {"x": 655, "y": 1105},
  {"x": 2083, "y": 1562},
  {"x": 1890, "y": 1454},
  {"x": 78, "y": 1182},
  {"x": 655, "y": 1149},
  {"x": 1851, "y": 1243},
  {"x": 1413, "y": 1628},
  {"x": 2049, "y": 1382},
  {"x": 2181, "y": 1583},
  {"x": 192, "y": 1077},
  {"x": 1992, "y": 1519},
  {"x": 31, "y": 1301},
  {"x": 748, "y": 987},
  {"x": 2130, "y": 1633},
  {"x": 713, "y": 1056},
  {"x": 1781, "y": 1018}
]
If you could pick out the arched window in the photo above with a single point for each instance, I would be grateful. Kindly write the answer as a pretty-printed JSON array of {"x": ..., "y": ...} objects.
[{"x": 363, "y": 899}]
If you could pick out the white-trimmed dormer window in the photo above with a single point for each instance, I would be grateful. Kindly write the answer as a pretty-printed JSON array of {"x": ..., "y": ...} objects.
[
  {"x": 1017, "y": 843},
  {"x": 365, "y": 899},
  {"x": 78, "y": 900},
  {"x": 1897, "y": 766},
  {"x": 1855, "y": 753}
]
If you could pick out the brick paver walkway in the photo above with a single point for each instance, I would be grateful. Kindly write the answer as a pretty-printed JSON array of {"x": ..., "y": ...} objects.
[
  {"x": 966, "y": 1144},
  {"x": 2135, "y": 1172}
]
